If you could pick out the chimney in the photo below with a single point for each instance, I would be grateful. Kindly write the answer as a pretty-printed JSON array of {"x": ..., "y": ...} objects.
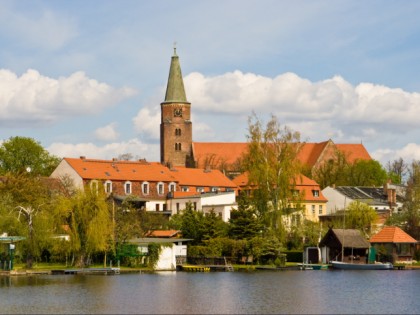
[{"x": 82, "y": 157}]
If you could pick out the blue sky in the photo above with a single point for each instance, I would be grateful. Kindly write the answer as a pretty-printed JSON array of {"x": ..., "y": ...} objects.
[{"x": 87, "y": 77}]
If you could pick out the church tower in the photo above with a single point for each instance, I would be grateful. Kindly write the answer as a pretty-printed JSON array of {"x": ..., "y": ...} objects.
[{"x": 175, "y": 125}]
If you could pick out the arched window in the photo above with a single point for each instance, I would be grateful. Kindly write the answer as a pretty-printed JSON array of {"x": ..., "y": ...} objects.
[
  {"x": 160, "y": 188},
  {"x": 177, "y": 132},
  {"x": 177, "y": 146},
  {"x": 127, "y": 188},
  {"x": 108, "y": 187},
  {"x": 145, "y": 188}
]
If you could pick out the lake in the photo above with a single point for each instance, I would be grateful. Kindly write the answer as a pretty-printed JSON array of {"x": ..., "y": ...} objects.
[{"x": 291, "y": 292}]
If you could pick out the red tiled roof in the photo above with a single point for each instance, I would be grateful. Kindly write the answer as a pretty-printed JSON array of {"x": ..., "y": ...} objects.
[
  {"x": 200, "y": 177},
  {"x": 354, "y": 152},
  {"x": 162, "y": 233},
  {"x": 216, "y": 153},
  {"x": 184, "y": 194},
  {"x": 120, "y": 170},
  {"x": 392, "y": 234}
]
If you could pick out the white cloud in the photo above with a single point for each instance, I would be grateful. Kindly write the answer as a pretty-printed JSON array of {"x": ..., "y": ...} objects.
[
  {"x": 148, "y": 121},
  {"x": 361, "y": 111},
  {"x": 108, "y": 151},
  {"x": 107, "y": 133},
  {"x": 34, "y": 98}
]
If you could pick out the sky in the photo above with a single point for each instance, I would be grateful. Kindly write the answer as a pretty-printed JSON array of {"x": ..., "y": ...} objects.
[{"x": 86, "y": 78}]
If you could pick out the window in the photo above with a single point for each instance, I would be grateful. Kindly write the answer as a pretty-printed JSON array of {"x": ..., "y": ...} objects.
[
  {"x": 295, "y": 192},
  {"x": 94, "y": 185},
  {"x": 185, "y": 188},
  {"x": 177, "y": 132},
  {"x": 108, "y": 187},
  {"x": 157, "y": 207},
  {"x": 177, "y": 208},
  {"x": 172, "y": 187},
  {"x": 315, "y": 193},
  {"x": 313, "y": 209},
  {"x": 160, "y": 188},
  {"x": 195, "y": 206},
  {"x": 177, "y": 146},
  {"x": 145, "y": 188},
  {"x": 127, "y": 188},
  {"x": 164, "y": 207},
  {"x": 320, "y": 209},
  {"x": 200, "y": 189},
  {"x": 214, "y": 189}
]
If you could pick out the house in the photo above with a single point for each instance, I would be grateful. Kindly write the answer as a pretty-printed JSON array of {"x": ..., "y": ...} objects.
[
  {"x": 173, "y": 251},
  {"x": 308, "y": 195},
  {"x": 221, "y": 203},
  {"x": 393, "y": 243},
  {"x": 384, "y": 200},
  {"x": 149, "y": 185},
  {"x": 347, "y": 245}
]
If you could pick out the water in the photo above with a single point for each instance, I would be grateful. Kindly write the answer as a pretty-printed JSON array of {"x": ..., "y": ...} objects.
[{"x": 291, "y": 292}]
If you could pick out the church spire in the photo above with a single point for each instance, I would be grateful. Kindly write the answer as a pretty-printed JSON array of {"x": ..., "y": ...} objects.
[{"x": 175, "y": 92}]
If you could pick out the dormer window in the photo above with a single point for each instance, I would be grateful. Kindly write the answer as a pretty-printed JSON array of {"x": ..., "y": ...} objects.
[
  {"x": 315, "y": 193},
  {"x": 145, "y": 188},
  {"x": 127, "y": 188}
]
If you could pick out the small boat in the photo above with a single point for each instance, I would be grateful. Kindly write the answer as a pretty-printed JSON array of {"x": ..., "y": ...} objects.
[{"x": 351, "y": 266}]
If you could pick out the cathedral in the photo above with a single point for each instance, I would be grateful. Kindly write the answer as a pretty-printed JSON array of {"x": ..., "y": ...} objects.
[{"x": 178, "y": 149}]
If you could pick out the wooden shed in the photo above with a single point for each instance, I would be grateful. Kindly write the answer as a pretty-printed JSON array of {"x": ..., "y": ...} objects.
[{"x": 347, "y": 245}]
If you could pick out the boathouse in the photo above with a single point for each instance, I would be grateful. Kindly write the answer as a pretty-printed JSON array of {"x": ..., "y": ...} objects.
[{"x": 347, "y": 245}]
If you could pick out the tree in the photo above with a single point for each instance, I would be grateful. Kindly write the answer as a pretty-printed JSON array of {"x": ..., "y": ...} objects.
[
  {"x": 360, "y": 216},
  {"x": 338, "y": 171},
  {"x": 366, "y": 173},
  {"x": 27, "y": 203},
  {"x": 409, "y": 218},
  {"x": 20, "y": 155},
  {"x": 397, "y": 170},
  {"x": 244, "y": 223},
  {"x": 89, "y": 219},
  {"x": 272, "y": 165},
  {"x": 332, "y": 172}
]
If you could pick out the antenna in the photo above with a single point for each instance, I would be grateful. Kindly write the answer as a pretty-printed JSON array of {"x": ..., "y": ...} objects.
[{"x": 174, "y": 48}]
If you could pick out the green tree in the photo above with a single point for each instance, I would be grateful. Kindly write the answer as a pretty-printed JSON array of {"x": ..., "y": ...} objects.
[
  {"x": 89, "y": 219},
  {"x": 366, "y": 173},
  {"x": 272, "y": 165},
  {"x": 24, "y": 155},
  {"x": 360, "y": 216},
  {"x": 26, "y": 204},
  {"x": 244, "y": 223}
]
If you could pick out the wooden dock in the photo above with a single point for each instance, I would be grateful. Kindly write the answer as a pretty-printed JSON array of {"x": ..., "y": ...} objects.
[{"x": 110, "y": 270}]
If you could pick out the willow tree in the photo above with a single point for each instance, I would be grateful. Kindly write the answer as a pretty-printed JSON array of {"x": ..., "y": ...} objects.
[
  {"x": 272, "y": 167},
  {"x": 88, "y": 217}
]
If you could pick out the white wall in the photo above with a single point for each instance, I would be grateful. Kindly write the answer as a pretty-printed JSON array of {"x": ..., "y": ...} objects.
[
  {"x": 64, "y": 169},
  {"x": 336, "y": 200}
]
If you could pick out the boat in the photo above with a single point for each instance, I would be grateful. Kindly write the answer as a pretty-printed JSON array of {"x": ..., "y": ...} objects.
[{"x": 353, "y": 266}]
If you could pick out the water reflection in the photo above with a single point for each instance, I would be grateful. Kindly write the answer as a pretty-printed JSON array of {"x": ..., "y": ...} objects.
[{"x": 170, "y": 292}]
